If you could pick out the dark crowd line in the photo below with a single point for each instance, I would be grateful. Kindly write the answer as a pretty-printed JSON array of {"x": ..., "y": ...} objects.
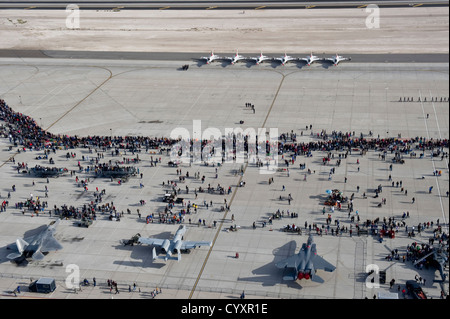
[{"x": 24, "y": 131}]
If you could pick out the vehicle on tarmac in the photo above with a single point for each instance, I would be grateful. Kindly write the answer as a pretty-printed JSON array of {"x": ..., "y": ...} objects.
[{"x": 415, "y": 290}]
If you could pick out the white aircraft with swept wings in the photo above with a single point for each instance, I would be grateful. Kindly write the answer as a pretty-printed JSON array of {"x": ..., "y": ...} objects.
[
  {"x": 261, "y": 58},
  {"x": 176, "y": 245},
  {"x": 310, "y": 59},
  {"x": 337, "y": 58},
  {"x": 285, "y": 59},
  {"x": 210, "y": 58},
  {"x": 236, "y": 58}
]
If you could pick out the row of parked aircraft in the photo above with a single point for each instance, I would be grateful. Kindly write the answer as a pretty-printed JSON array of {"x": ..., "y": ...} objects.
[{"x": 283, "y": 59}]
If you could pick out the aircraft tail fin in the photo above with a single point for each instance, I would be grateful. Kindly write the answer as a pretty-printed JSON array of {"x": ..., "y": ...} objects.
[
  {"x": 21, "y": 245},
  {"x": 13, "y": 256},
  {"x": 290, "y": 274},
  {"x": 317, "y": 279},
  {"x": 38, "y": 255},
  {"x": 170, "y": 257}
]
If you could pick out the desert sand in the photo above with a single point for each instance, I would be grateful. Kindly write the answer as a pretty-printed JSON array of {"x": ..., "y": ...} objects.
[{"x": 401, "y": 30}]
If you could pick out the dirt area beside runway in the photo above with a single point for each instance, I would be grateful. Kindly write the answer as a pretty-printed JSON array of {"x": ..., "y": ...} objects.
[{"x": 402, "y": 30}]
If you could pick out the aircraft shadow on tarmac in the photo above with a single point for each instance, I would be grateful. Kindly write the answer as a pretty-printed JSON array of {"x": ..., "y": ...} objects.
[{"x": 269, "y": 275}]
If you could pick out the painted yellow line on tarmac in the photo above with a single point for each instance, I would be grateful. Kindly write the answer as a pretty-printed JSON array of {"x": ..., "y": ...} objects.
[
  {"x": 310, "y": 7},
  {"x": 363, "y": 6},
  {"x": 418, "y": 5},
  {"x": 261, "y": 7},
  {"x": 209, "y": 8},
  {"x": 164, "y": 8},
  {"x": 28, "y": 8}
]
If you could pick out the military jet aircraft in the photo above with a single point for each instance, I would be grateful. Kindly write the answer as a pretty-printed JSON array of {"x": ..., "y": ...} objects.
[
  {"x": 261, "y": 58},
  {"x": 177, "y": 244},
  {"x": 236, "y": 58},
  {"x": 36, "y": 246},
  {"x": 336, "y": 59},
  {"x": 304, "y": 264},
  {"x": 437, "y": 258},
  {"x": 285, "y": 59},
  {"x": 310, "y": 59},
  {"x": 211, "y": 58}
]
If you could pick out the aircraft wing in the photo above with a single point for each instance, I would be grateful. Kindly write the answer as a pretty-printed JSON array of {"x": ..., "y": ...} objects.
[
  {"x": 320, "y": 263},
  {"x": 151, "y": 241},
  {"x": 290, "y": 262},
  {"x": 50, "y": 244},
  {"x": 193, "y": 244}
]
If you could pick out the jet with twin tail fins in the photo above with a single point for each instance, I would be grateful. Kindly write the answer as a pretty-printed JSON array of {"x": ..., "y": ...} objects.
[
  {"x": 304, "y": 264},
  {"x": 36, "y": 246},
  {"x": 176, "y": 245}
]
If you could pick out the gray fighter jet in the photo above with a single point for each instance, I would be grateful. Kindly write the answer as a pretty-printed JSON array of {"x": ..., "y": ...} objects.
[
  {"x": 304, "y": 264},
  {"x": 176, "y": 245},
  {"x": 36, "y": 246}
]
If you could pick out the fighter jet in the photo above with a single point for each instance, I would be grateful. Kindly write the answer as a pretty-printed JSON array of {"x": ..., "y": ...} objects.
[
  {"x": 310, "y": 59},
  {"x": 261, "y": 58},
  {"x": 437, "y": 258},
  {"x": 304, "y": 264},
  {"x": 337, "y": 58},
  {"x": 36, "y": 246},
  {"x": 211, "y": 58},
  {"x": 176, "y": 245},
  {"x": 285, "y": 59},
  {"x": 236, "y": 58}
]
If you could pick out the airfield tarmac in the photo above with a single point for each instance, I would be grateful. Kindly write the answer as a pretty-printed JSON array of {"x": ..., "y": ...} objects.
[{"x": 151, "y": 98}]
